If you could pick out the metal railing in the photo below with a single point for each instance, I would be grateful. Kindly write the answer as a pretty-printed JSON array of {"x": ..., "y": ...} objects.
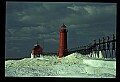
[{"x": 104, "y": 46}]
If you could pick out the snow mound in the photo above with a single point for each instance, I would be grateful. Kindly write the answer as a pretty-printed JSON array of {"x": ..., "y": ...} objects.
[
  {"x": 74, "y": 58},
  {"x": 73, "y": 65}
]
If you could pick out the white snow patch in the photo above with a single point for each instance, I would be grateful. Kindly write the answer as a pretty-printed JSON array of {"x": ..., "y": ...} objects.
[{"x": 73, "y": 65}]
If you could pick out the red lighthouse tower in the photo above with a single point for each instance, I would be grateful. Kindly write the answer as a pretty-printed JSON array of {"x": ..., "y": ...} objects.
[{"x": 63, "y": 41}]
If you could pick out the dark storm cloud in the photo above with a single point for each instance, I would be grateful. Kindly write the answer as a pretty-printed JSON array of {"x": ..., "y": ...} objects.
[
  {"x": 91, "y": 14},
  {"x": 43, "y": 12},
  {"x": 27, "y": 22},
  {"x": 95, "y": 21},
  {"x": 20, "y": 6},
  {"x": 58, "y": 11}
]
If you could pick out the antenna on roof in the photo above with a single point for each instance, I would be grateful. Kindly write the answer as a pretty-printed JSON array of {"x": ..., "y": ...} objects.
[{"x": 37, "y": 42}]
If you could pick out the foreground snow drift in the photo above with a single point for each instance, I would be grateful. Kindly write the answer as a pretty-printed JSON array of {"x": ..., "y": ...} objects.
[{"x": 73, "y": 65}]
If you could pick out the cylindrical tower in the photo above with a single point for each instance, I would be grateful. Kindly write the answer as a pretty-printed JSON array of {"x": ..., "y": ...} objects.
[{"x": 63, "y": 41}]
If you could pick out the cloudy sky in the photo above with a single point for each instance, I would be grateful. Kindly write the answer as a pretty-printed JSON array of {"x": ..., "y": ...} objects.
[{"x": 29, "y": 22}]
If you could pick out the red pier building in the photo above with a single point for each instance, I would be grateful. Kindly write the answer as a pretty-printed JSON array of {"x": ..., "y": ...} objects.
[
  {"x": 63, "y": 41},
  {"x": 36, "y": 51}
]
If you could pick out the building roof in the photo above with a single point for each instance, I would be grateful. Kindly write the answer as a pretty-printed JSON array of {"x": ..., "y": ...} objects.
[{"x": 63, "y": 25}]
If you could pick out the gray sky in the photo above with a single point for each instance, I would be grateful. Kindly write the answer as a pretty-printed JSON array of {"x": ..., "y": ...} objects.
[{"x": 29, "y": 22}]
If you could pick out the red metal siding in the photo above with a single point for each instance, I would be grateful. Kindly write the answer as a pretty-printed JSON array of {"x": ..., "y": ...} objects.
[
  {"x": 37, "y": 50},
  {"x": 63, "y": 42}
]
